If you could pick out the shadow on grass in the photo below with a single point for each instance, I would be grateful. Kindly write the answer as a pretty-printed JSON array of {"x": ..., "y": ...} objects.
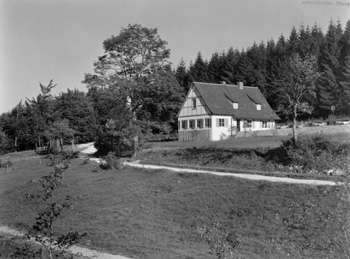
[{"x": 257, "y": 159}]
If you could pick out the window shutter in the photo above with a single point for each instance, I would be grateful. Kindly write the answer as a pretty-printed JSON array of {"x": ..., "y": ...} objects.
[
  {"x": 226, "y": 122},
  {"x": 217, "y": 122}
]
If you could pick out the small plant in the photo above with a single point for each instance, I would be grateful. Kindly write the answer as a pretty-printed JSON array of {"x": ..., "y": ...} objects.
[
  {"x": 8, "y": 165},
  {"x": 109, "y": 162},
  {"x": 85, "y": 161},
  {"x": 221, "y": 243},
  {"x": 43, "y": 229}
]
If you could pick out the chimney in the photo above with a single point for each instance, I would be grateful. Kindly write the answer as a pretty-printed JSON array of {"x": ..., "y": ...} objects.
[
  {"x": 223, "y": 82},
  {"x": 240, "y": 85}
]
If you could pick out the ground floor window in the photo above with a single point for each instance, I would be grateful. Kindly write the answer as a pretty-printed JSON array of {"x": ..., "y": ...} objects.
[
  {"x": 192, "y": 124},
  {"x": 264, "y": 124},
  {"x": 200, "y": 123},
  {"x": 184, "y": 124},
  {"x": 208, "y": 123},
  {"x": 220, "y": 122},
  {"x": 247, "y": 124}
]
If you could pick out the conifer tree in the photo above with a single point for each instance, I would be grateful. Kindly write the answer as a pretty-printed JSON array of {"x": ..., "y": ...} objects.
[
  {"x": 229, "y": 65},
  {"x": 317, "y": 39},
  {"x": 304, "y": 46},
  {"x": 182, "y": 76},
  {"x": 345, "y": 86},
  {"x": 345, "y": 44},
  {"x": 215, "y": 67},
  {"x": 329, "y": 89},
  {"x": 199, "y": 70},
  {"x": 280, "y": 49},
  {"x": 293, "y": 42}
]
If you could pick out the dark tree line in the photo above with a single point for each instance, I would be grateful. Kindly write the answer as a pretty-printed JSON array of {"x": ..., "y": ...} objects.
[
  {"x": 37, "y": 121},
  {"x": 259, "y": 64}
]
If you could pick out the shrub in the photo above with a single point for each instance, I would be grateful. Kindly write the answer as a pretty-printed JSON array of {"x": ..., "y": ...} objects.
[
  {"x": 315, "y": 152},
  {"x": 109, "y": 162},
  {"x": 331, "y": 120},
  {"x": 8, "y": 165}
]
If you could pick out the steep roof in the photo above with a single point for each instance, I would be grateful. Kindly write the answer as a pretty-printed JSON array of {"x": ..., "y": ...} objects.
[{"x": 219, "y": 98}]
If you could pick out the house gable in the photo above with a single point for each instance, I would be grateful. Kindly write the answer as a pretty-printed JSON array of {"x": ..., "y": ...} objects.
[{"x": 193, "y": 104}]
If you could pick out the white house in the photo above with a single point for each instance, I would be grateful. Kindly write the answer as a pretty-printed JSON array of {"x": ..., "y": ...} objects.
[{"x": 218, "y": 111}]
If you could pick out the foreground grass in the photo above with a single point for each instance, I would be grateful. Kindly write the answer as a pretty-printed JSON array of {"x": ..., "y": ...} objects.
[{"x": 156, "y": 214}]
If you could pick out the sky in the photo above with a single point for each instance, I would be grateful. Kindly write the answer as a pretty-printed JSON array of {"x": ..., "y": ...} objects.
[{"x": 60, "y": 39}]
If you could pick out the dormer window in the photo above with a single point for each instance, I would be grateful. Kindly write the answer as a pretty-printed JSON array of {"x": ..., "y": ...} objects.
[
  {"x": 258, "y": 106},
  {"x": 194, "y": 103},
  {"x": 235, "y": 105}
]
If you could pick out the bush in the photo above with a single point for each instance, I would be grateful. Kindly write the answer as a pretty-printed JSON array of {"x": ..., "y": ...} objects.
[
  {"x": 110, "y": 161},
  {"x": 331, "y": 120},
  {"x": 316, "y": 152},
  {"x": 7, "y": 164}
]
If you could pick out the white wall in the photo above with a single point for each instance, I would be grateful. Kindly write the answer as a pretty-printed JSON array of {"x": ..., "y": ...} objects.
[{"x": 220, "y": 133}]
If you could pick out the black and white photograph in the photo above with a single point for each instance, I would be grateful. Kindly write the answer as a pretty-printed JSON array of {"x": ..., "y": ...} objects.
[{"x": 163, "y": 129}]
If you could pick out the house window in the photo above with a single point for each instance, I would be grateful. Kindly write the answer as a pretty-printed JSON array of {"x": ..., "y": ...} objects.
[
  {"x": 247, "y": 124},
  {"x": 184, "y": 124},
  {"x": 194, "y": 103},
  {"x": 235, "y": 105},
  {"x": 192, "y": 124},
  {"x": 264, "y": 124},
  {"x": 208, "y": 123},
  {"x": 258, "y": 107},
  {"x": 221, "y": 122},
  {"x": 200, "y": 123}
]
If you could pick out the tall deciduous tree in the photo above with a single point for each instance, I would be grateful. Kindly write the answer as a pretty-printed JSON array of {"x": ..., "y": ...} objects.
[
  {"x": 133, "y": 63},
  {"x": 294, "y": 87},
  {"x": 78, "y": 109}
]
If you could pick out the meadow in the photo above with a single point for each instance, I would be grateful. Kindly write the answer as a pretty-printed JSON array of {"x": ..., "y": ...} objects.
[{"x": 158, "y": 214}]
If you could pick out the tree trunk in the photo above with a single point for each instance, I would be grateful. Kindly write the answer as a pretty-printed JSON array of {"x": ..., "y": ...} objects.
[
  {"x": 136, "y": 147},
  {"x": 295, "y": 137}
]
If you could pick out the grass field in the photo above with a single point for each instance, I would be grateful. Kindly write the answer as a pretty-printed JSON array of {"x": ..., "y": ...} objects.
[{"x": 156, "y": 214}]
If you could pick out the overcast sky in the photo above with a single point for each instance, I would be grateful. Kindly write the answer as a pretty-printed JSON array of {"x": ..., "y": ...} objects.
[{"x": 60, "y": 39}]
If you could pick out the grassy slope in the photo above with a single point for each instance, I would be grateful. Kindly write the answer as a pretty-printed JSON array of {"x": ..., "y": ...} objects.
[
  {"x": 155, "y": 214},
  {"x": 252, "y": 154}
]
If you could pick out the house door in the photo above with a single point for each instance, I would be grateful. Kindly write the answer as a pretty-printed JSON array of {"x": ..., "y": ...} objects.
[{"x": 238, "y": 125}]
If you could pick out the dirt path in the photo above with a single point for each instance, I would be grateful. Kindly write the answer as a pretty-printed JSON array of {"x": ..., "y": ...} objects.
[{"x": 244, "y": 176}]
